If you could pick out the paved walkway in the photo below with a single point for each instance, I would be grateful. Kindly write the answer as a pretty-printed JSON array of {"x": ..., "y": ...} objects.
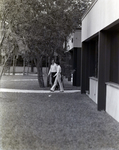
[
  {"x": 65, "y": 121},
  {"x": 5, "y": 90}
]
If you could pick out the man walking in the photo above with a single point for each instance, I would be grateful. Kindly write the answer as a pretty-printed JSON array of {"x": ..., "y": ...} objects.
[
  {"x": 57, "y": 79},
  {"x": 53, "y": 71}
]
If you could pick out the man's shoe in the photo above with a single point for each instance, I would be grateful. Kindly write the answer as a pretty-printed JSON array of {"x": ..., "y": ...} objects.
[
  {"x": 61, "y": 91},
  {"x": 51, "y": 90}
]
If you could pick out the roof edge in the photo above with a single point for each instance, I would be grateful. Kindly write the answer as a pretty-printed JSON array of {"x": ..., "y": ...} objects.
[{"x": 89, "y": 9}]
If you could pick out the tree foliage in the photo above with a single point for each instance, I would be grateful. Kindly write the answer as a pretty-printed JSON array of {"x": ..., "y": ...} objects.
[{"x": 43, "y": 24}]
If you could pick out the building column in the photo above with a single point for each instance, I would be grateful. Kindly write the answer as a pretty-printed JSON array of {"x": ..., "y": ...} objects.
[
  {"x": 74, "y": 66},
  {"x": 84, "y": 67},
  {"x": 87, "y": 64},
  {"x": 103, "y": 68},
  {"x": 118, "y": 66},
  {"x": 78, "y": 67}
]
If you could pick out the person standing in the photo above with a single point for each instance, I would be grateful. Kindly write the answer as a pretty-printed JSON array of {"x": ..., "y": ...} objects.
[
  {"x": 52, "y": 71},
  {"x": 57, "y": 79}
]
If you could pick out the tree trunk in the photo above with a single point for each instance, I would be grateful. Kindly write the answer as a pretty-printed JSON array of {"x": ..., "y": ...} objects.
[
  {"x": 14, "y": 65},
  {"x": 28, "y": 69},
  {"x": 48, "y": 77},
  {"x": 3, "y": 67},
  {"x": 39, "y": 70},
  {"x": 32, "y": 66},
  {"x": 24, "y": 64},
  {"x": 2, "y": 70}
]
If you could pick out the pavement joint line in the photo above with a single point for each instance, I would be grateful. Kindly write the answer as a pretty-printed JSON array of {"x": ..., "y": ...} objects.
[
  {"x": 5, "y": 90},
  {"x": 22, "y": 80}
]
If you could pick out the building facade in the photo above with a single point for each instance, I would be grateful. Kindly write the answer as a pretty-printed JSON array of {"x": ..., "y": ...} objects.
[
  {"x": 100, "y": 55},
  {"x": 74, "y": 48}
]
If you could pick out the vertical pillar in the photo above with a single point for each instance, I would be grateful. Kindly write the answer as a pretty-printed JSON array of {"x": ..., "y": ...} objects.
[
  {"x": 79, "y": 67},
  {"x": 103, "y": 68},
  {"x": 87, "y": 64},
  {"x": 75, "y": 66},
  {"x": 118, "y": 65},
  {"x": 84, "y": 67}
]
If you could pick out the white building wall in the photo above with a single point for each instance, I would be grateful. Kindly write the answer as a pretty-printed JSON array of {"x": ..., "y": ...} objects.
[
  {"x": 74, "y": 40},
  {"x": 70, "y": 44},
  {"x": 77, "y": 39},
  {"x": 103, "y": 13},
  {"x": 93, "y": 90},
  {"x": 112, "y": 100}
]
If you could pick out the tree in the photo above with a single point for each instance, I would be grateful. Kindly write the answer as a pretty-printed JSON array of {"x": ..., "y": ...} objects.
[
  {"x": 43, "y": 24},
  {"x": 8, "y": 49}
]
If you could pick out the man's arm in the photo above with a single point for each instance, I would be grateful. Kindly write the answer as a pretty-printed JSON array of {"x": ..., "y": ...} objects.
[
  {"x": 58, "y": 69},
  {"x": 49, "y": 71}
]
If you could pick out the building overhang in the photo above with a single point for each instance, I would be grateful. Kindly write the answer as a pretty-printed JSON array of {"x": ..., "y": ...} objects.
[{"x": 102, "y": 15}]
